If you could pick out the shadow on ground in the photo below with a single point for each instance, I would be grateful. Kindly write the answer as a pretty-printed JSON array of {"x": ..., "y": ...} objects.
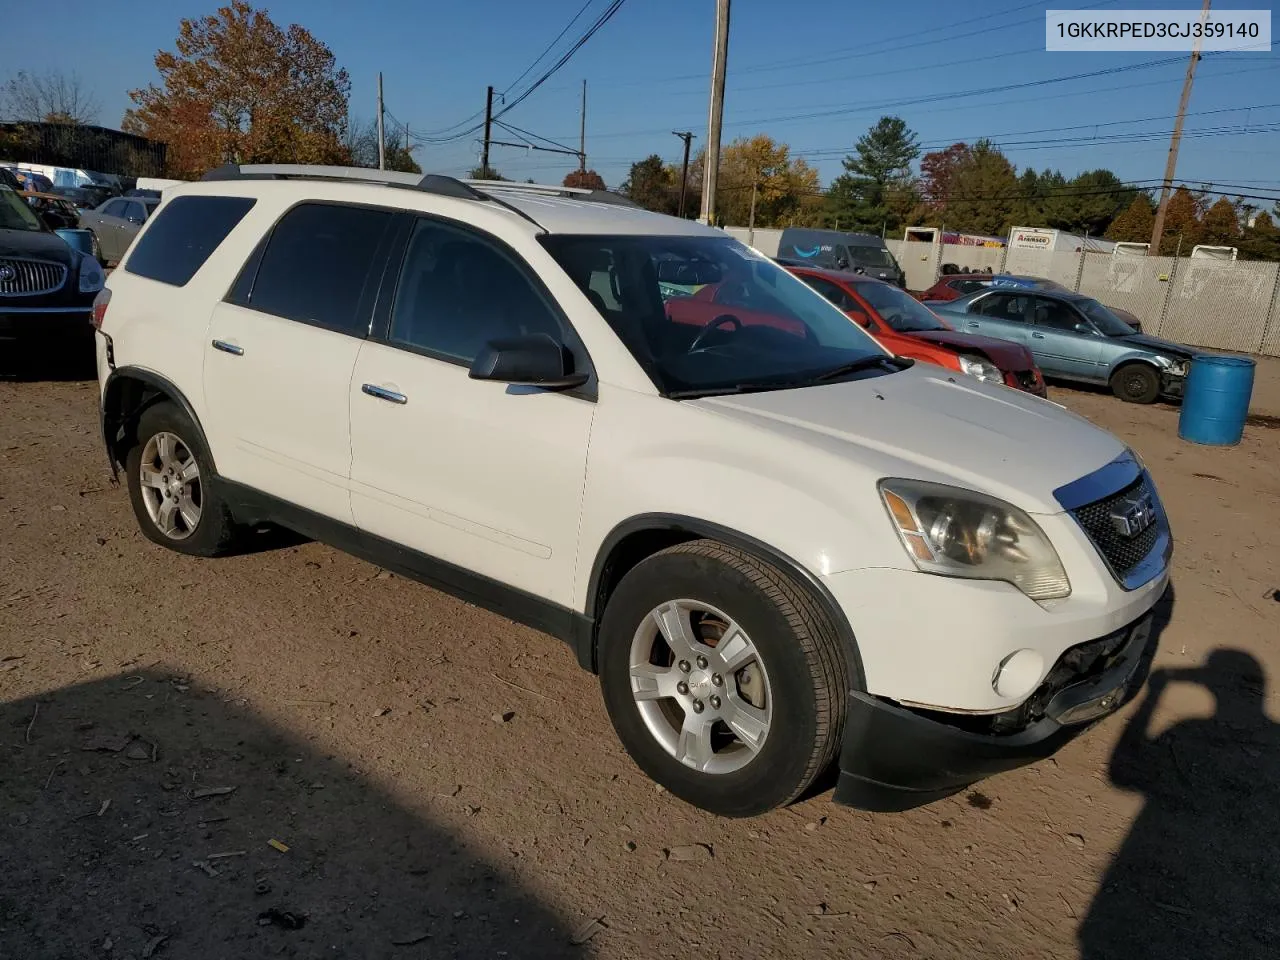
[
  {"x": 1197, "y": 876},
  {"x": 136, "y": 815}
]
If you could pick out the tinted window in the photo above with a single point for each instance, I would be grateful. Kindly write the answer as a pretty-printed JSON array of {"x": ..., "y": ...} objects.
[
  {"x": 184, "y": 236},
  {"x": 458, "y": 291},
  {"x": 113, "y": 208},
  {"x": 317, "y": 264},
  {"x": 1002, "y": 306},
  {"x": 133, "y": 211},
  {"x": 1055, "y": 314}
]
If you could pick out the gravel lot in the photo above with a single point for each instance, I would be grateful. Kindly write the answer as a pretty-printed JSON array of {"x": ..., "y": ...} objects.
[{"x": 444, "y": 783}]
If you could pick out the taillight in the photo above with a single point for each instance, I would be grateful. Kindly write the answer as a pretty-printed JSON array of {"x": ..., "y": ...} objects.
[{"x": 100, "y": 303}]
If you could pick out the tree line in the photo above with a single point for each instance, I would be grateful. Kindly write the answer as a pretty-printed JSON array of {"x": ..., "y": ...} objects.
[
  {"x": 966, "y": 188},
  {"x": 240, "y": 88}
]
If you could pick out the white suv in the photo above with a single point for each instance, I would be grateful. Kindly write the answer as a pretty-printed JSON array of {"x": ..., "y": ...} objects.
[{"x": 780, "y": 547}]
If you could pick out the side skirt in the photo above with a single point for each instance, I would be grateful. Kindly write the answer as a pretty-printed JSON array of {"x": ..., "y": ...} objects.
[{"x": 251, "y": 507}]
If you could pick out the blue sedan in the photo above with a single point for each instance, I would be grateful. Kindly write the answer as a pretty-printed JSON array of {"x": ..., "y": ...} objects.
[{"x": 1074, "y": 337}]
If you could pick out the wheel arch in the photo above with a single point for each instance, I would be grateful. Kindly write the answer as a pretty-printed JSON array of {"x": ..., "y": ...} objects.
[
  {"x": 129, "y": 391},
  {"x": 640, "y": 537},
  {"x": 1128, "y": 359}
]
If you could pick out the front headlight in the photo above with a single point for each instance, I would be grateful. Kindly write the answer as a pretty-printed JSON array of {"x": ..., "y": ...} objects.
[
  {"x": 92, "y": 279},
  {"x": 1179, "y": 368},
  {"x": 981, "y": 369},
  {"x": 963, "y": 533}
]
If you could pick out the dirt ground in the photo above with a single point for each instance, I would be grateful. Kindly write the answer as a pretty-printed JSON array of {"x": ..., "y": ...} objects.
[{"x": 289, "y": 753}]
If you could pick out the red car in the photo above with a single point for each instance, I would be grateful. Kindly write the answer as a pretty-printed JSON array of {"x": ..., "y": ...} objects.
[{"x": 908, "y": 328}]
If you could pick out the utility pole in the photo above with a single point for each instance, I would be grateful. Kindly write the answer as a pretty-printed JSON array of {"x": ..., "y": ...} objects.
[
  {"x": 382, "y": 139},
  {"x": 716, "y": 117},
  {"x": 488, "y": 123},
  {"x": 582, "y": 131},
  {"x": 1157, "y": 230},
  {"x": 751, "y": 220},
  {"x": 687, "y": 137}
]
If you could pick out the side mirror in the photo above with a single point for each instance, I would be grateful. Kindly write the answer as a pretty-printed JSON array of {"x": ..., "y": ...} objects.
[
  {"x": 1084, "y": 328},
  {"x": 842, "y": 264},
  {"x": 535, "y": 360},
  {"x": 860, "y": 318}
]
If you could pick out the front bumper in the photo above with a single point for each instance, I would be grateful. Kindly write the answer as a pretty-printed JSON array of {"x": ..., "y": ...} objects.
[
  {"x": 1029, "y": 381},
  {"x": 46, "y": 326},
  {"x": 1171, "y": 385},
  {"x": 894, "y": 758}
]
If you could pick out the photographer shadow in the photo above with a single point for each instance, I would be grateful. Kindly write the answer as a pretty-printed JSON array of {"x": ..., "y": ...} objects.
[{"x": 1198, "y": 875}]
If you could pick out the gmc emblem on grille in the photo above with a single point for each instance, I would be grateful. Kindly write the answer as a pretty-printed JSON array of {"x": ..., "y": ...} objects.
[
  {"x": 1132, "y": 515},
  {"x": 7, "y": 273}
]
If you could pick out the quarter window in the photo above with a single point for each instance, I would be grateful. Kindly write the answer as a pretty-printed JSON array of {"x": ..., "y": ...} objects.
[
  {"x": 184, "y": 236},
  {"x": 458, "y": 291},
  {"x": 318, "y": 265}
]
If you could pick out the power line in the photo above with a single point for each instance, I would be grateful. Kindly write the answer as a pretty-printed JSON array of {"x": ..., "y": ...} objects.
[
  {"x": 577, "y": 45},
  {"x": 538, "y": 58}
]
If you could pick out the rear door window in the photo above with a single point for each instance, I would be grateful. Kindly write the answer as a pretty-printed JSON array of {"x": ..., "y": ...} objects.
[
  {"x": 1002, "y": 306},
  {"x": 318, "y": 266},
  {"x": 184, "y": 236}
]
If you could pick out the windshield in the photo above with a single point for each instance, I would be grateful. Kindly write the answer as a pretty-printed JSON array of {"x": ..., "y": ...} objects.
[
  {"x": 872, "y": 257},
  {"x": 14, "y": 212},
  {"x": 901, "y": 311},
  {"x": 1107, "y": 322},
  {"x": 709, "y": 315}
]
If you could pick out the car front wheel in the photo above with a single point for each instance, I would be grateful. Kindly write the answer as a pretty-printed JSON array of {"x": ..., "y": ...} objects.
[
  {"x": 724, "y": 680},
  {"x": 1136, "y": 383}
]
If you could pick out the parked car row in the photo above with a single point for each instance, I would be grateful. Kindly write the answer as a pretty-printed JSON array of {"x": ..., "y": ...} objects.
[
  {"x": 955, "y": 286},
  {"x": 785, "y": 551}
]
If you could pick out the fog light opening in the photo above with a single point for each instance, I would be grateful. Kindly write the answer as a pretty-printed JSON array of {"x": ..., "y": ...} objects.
[{"x": 1018, "y": 674}]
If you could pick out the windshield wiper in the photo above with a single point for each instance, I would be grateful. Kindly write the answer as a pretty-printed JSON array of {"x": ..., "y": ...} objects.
[
  {"x": 863, "y": 363},
  {"x": 760, "y": 386}
]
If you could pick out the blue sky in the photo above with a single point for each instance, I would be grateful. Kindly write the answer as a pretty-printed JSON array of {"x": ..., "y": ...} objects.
[{"x": 648, "y": 74}]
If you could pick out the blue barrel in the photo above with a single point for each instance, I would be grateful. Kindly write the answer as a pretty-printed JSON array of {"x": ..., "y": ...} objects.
[{"x": 1215, "y": 400}]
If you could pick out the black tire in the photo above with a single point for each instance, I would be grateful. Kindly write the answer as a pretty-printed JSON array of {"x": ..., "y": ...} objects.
[
  {"x": 1136, "y": 383},
  {"x": 215, "y": 532},
  {"x": 808, "y": 676}
]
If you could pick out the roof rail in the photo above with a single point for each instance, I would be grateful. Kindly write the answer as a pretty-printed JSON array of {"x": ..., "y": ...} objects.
[
  {"x": 548, "y": 189},
  {"x": 429, "y": 183},
  {"x": 436, "y": 183}
]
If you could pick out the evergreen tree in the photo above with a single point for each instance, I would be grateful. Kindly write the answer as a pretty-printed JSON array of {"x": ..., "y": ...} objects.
[{"x": 874, "y": 193}]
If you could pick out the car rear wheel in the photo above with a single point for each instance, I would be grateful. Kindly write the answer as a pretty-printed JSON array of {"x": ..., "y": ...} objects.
[
  {"x": 171, "y": 488},
  {"x": 724, "y": 680},
  {"x": 1136, "y": 383}
]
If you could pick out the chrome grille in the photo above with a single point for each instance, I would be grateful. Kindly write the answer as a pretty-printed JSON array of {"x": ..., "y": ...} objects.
[
  {"x": 1122, "y": 553},
  {"x": 29, "y": 278}
]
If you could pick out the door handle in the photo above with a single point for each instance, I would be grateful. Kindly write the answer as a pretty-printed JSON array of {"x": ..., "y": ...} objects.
[
  {"x": 382, "y": 393},
  {"x": 971, "y": 325},
  {"x": 1038, "y": 336},
  {"x": 234, "y": 349}
]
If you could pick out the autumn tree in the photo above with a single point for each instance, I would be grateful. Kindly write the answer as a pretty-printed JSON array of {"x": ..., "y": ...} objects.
[
  {"x": 785, "y": 188},
  {"x": 51, "y": 97},
  {"x": 650, "y": 183},
  {"x": 937, "y": 171},
  {"x": 1135, "y": 224},
  {"x": 586, "y": 179},
  {"x": 480, "y": 172},
  {"x": 1181, "y": 224},
  {"x": 240, "y": 89},
  {"x": 1220, "y": 226},
  {"x": 876, "y": 192}
]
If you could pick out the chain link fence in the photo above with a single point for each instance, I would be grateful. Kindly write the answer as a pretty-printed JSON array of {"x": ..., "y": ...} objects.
[{"x": 1225, "y": 305}]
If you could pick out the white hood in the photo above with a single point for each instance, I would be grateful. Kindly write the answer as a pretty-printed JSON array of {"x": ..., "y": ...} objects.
[{"x": 939, "y": 426}]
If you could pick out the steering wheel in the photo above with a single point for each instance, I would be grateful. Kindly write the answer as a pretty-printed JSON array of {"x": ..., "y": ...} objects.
[{"x": 715, "y": 324}]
